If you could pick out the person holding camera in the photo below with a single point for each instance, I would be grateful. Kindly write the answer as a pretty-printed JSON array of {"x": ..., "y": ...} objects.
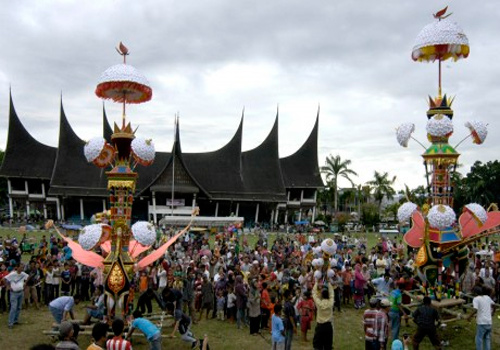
[{"x": 426, "y": 318}]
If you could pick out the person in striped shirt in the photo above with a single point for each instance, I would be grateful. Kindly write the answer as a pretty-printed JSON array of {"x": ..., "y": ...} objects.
[
  {"x": 370, "y": 324},
  {"x": 117, "y": 342}
]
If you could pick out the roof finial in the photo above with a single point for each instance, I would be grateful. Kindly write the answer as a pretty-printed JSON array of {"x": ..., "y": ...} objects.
[{"x": 123, "y": 51}]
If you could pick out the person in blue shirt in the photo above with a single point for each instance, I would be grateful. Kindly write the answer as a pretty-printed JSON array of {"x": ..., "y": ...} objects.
[
  {"x": 383, "y": 284},
  {"x": 278, "y": 329},
  {"x": 151, "y": 332}
]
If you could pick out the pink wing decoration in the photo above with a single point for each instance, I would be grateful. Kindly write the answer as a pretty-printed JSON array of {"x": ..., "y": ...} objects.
[
  {"x": 134, "y": 247},
  {"x": 81, "y": 255},
  {"x": 414, "y": 237},
  {"x": 158, "y": 253},
  {"x": 106, "y": 247},
  {"x": 470, "y": 226}
]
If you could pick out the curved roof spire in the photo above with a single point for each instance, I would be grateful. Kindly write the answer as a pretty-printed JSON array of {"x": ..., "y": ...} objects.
[
  {"x": 301, "y": 168},
  {"x": 73, "y": 175},
  {"x": 261, "y": 168},
  {"x": 24, "y": 155},
  {"x": 107, "y": 131},
  {"x": 219, "y": 172}
]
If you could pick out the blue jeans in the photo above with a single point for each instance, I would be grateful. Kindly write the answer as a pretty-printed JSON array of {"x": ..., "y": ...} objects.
[
  {"x": 483, "y": 337},
  {"x": 16, "y": 303},
  {"x": 395, "y": 319},
  {"x": 57, "y": 314},
  {"x": 155, "y": 342},
  {"x": 288, "y": 338}
]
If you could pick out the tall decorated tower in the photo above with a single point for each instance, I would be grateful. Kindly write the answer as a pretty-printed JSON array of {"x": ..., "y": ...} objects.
[{"x": 441, "y": 239}]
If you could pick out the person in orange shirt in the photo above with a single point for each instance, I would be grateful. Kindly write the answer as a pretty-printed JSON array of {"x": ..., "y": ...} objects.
[
  {"x": 143, "y": 282},
  {"x": 347, "y": 277},
  {"x": 265, "y": 306},
  {"x": 99, "y": 335}
]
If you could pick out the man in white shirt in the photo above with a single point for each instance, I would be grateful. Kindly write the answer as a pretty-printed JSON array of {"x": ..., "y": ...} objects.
[
  {"x": 62, "y": 308},
  {"x": 15, "y": 283},
  {"x": 484, "y": 307}
]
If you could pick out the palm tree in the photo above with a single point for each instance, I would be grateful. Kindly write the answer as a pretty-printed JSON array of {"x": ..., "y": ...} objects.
[
  {"x": 382, "y": 187},
  {"x": 334, "y": 168}
]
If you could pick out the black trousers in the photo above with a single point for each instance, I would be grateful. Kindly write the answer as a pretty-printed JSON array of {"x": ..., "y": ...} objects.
[
  {"x": 265, "y": 314},
  {"x": 422, "y": 333},
  {"x": 323, "y": 336},
  {"x": 254, "y": 324}
]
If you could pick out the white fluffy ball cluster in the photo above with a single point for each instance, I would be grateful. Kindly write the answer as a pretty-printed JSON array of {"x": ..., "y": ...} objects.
[
  {"x": 330, "y": 273},
  {"x": 317, "y": 274},
  {"x": 89, "y": 236},
  {"x": 144, "y": 233},
  {"x": 143, "y": 149},
  {"x": 317, "y": 250},
  {"x": 439, "y": 125},
  {"x": 441, "y": 216},
  {"x": 479, "y": 130},
  {"x": 403, "y": 133},
  {"x": 405, "y": 211},
  {"x": 328, "y": 246},
  {"x": 93, "y": 148},
  {"x": 478, "y": 211}
]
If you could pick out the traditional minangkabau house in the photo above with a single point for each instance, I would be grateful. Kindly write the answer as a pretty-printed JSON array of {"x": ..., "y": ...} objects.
[{"x": 257, "y": 185}]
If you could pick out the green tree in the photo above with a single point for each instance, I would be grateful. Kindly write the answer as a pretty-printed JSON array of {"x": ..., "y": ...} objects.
[
  {"x": 417, "y": 195},
  {"x": 382, "y": 187},
  {"x": 370, "y": 215},
  {"x": 334, "y": 168},
  {"x": 482, "y": 183}
]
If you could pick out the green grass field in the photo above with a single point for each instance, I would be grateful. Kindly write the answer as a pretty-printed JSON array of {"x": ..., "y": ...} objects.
[{"x": 348, "y": 329}]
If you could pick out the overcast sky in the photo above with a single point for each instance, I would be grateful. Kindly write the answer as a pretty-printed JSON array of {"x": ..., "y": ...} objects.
[{"x": 209, "y": 60}]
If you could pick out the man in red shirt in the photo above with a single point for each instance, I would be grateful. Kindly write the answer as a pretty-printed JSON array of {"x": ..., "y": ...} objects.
[
  {"x": 117, "y": 342},
  {"x": 265, "y": 304}
]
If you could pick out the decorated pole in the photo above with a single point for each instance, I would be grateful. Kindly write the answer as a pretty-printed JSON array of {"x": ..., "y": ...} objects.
[{"x": 435, "y": 227}]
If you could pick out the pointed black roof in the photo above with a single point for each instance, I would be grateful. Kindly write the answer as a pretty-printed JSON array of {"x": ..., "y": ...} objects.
[
  {"x": 73, "y": 175},
  {"x": 301, "y": 168},
  {"x": 261, "y": 170},
  {"x": 184, "y": 180},
  {"x": 24, "y": 156},
  {"x": 106, "y": 128},
  {"x": 219, "y": 172}
]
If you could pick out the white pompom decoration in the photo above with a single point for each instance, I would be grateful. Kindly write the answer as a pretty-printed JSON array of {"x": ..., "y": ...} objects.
[
  {"x": 317, "y": 250},
  {"x": 93, "y": 148},
  {"x": 143, "y": 150},
  {"x": 330, "y": 273},
  {"x": 403, "y": 133},
  {"x": 478, "y": 211},
  {"x": 333, "y": 262},
  {"x": 329, "y": 246},
  {"x": 321, "y": 262},
  {"x": 405, "y": 211},
  {"x": 479, "y": 131},
  {"x": 89, "y": 236},
  {"x": 144, "y": 233},
  {"x": 317, "y": 274},
  {"x": 439, "y": 126},
  {"x": 441, "y": 216}
]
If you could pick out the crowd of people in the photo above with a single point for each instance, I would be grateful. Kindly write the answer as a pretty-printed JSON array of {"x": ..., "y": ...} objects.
[{"x": 269, "y": 287}]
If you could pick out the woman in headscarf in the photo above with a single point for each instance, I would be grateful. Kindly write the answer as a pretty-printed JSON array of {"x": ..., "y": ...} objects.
[
  {"x": 254, "y": 307},
  {"x": 241, "y": 300},
  {"x": 359, "y": 285}
]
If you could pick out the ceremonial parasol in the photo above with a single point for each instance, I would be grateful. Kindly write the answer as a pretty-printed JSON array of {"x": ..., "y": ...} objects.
[
  {"x": 123, "y": 83},
  {"x": 441, "y": 40}
]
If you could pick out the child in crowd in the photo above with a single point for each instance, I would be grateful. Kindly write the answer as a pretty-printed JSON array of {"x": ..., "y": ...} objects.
[
  {"x": 231, "y": 305},
  {"x": 306, "y": 310},
  {"x": 221, "y": 303},
  {"x": 66, "y": 280},
  {"x": 99, "y": 335},
  {"x": 117, "y": 342},
  {"x": 277, "y": 329}
]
